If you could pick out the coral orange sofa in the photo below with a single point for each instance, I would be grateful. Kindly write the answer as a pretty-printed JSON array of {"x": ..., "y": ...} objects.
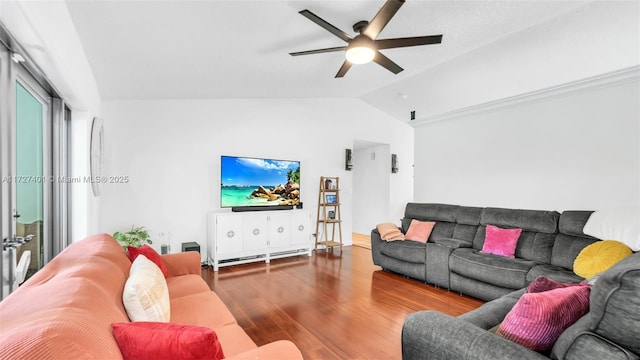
[{"x": 66, "y": 309}]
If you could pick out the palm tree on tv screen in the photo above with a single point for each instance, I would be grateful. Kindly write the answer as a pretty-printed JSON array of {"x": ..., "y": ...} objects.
[{"x": 294, "y": 175}]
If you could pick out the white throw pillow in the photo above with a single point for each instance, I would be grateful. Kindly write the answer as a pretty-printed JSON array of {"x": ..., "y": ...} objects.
[
  {"x": 622, "y": 224},
  {"x": 146, "y": 295}
]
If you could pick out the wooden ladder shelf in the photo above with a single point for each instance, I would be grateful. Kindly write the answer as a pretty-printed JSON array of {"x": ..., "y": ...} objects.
[{"x": 329, "y": 217}]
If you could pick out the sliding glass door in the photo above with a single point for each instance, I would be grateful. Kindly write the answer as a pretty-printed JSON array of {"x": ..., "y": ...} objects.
[
  {"x": 32, "y": 182},
  {"x": 34, "y": 128}
]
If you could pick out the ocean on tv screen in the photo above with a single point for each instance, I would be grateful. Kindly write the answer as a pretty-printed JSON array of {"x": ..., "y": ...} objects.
[{"x": 241, "y": 196}]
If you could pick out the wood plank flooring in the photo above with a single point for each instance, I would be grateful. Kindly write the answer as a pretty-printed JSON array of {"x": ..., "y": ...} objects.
[
  {"x": 361, "y": 240},
  {"x": 332, "y": 305}
]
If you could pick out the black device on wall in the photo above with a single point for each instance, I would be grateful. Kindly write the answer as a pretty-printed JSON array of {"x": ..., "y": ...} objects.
[
  {"x": 394, "y": 163},
  {"x": 348, "y": 161}
]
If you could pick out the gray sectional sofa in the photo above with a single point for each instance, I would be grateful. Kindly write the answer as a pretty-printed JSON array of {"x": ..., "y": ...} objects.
[
  {"x": 548, "y": 245},
  {"x": 610, "y": 330}
]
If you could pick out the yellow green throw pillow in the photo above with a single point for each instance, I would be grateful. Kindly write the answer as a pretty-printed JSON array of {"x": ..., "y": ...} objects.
[{"x": 599, "y": 257}]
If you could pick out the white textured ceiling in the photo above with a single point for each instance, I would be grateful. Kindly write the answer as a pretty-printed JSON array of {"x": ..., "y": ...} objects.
[{"x": 239, "y": 49}]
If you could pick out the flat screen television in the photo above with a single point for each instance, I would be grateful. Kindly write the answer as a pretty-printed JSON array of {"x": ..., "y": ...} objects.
[{"x": 256, "y": 184}]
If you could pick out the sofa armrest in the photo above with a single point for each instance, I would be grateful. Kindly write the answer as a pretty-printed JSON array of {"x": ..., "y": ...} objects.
[
  {"x": 182, "y": 263},
  {"x": 282, "y": 349},
  {"x": 434, "y": 335},
  {"x": 453, "y": 243}
]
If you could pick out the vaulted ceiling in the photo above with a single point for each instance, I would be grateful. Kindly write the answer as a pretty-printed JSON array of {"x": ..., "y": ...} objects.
[{"x": 239, "y": 49}]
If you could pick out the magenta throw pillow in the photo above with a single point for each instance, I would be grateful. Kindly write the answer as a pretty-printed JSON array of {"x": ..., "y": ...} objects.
[
  {"x": 542, "y": 283},
  {"x": 537, "y": 319},
  {"x": 419, "y": 230},
  {"x": 156, "y": 340},
  {"x": 499, "y": 241}
]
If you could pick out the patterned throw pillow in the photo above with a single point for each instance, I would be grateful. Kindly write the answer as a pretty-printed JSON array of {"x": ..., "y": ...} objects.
[
  {"x": 146, "y": 295},
  {"x": 537, "y": 319},
  {"x": 499, "y": 241},
  {"x": 152, "y": 340},
  {"x": 419, "y": 230}
]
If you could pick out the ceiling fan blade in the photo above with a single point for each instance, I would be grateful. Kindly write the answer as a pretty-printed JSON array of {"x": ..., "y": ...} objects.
[
  {"x": 319, "y": 51},
  {"x": 325, "y": 25},
  {"x": 408, "y": 41},
  {"x": 386, "y": 63},
  {"x": 381, "y": 19},
  {"x": 346, "y": 65}
]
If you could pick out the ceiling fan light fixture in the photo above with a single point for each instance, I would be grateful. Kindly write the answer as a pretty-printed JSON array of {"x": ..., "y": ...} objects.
[{"x": 360, "y": 50}]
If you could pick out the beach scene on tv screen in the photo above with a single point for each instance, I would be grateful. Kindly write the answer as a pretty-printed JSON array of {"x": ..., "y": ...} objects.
[{"x": 259, "y": 182}]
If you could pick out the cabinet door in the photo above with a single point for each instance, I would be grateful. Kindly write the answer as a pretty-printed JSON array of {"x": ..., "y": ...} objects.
[
  {"x": 300, "y": 227},
  {"x": 256, "y": 231},
  {"x": 228, "y": 234},
  {"x": 279, "y": 229}
]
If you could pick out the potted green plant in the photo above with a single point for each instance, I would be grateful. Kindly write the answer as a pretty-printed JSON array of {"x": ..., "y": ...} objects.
[{"x": 137, "y": 236}]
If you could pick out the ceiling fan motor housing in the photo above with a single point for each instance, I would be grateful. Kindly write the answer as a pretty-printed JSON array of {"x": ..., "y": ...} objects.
[{"x": 360, "y": 26}]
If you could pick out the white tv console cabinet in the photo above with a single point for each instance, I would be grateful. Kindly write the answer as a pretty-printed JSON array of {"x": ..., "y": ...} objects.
[{"x": 243, "y": 237}]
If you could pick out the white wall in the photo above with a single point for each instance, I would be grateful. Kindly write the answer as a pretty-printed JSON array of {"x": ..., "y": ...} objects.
[
  {"x": 371, "y": 187},
  {"x": 170, "y": 150},
  {"x": 573, "y": 150}
]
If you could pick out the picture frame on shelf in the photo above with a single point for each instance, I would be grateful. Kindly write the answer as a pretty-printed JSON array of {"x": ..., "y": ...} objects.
[
  {"x": 331, "y": 199},
  {"x": 332, "y": 215}
]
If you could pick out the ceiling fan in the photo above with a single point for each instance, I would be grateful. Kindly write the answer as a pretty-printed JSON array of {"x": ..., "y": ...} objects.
[{"x": 364, "y": 47}]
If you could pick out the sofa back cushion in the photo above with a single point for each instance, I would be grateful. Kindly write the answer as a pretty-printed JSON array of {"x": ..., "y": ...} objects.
[
  {"x": 570, "y": 240},
  {"x": 467, "y": 222},
  {"x": 443, "y": 215},
  {"x": 452, "y": 221},
  {"x": 65, "y": 310},
  {"x": 615, "y": 304},
  {"x": 538, "y": 230}
]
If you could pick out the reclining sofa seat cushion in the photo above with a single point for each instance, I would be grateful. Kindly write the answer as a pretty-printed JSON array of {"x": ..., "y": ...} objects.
[
  {"x": 409, "y": 257},
  {"x": 414, "y": 251},
  {"x": 568, "y": 243},
  {"x": 489, "y": 276}
]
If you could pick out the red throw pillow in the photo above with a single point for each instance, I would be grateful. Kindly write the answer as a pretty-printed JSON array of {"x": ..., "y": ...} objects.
[
  {"x": 142, "y": 340},
  {"x": 542, "y": 283},
  {"x": 419, "y": 230},
  {"x": 150, "y": 253},
  {"x": 499, "y": 241},
  {"x": 537, "y": 319}
]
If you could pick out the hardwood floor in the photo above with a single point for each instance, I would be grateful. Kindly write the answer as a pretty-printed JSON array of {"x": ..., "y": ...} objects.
[
  {"x": 361, "y": 240},
  {"x": 332, "y": 305}
]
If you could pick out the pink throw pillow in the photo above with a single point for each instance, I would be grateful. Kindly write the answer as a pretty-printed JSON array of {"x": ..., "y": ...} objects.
[
  {"x": 142, "y": 340},
  {"x": 499, "y": 241},
  {"x": 419, "y": 230},
  {"x": 149, "y": 253},
  {"x": 537, "y": 319}
]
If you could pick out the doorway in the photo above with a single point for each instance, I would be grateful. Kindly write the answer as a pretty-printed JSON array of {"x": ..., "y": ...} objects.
[{"x": 371, "y": 182}]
